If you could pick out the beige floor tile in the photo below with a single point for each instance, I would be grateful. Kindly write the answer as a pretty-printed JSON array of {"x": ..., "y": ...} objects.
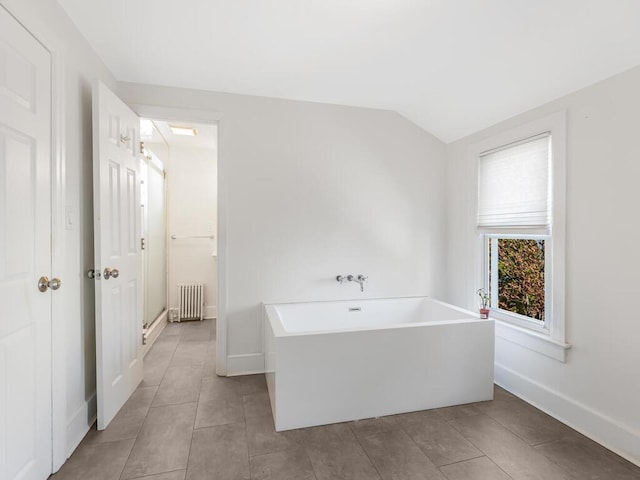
[
  {"x": 530, "y": 424},
  {"x": 102, "y": 461},
  {"x": 163, "y": 346},
  {"x": 396, "y": 457},
  {"x": 441, "y": 442},
  {"x": 196, "y": 331},
  {"x": 154, "y": 371},
  {"x": 249, "y": 384},
  {"x": 219, "y": 453},
  {"x": 179, "y": 385},
  {"x": 214, "y": 388},
  {"x": 173, "y": 329},
  {"x": 282, "y": 465},
  {"x": 256, "y": 405},
  {"x": 507, "y": 450},
  {"x": 122, "y": 427},
  {"x": 410, "y": 418},
  {"x": 127, "y": 423},
  {"x": 183, "y": 413},
  {"x": 163, "y": 442},
  {"x": 209, "y": 368},
  {"x": 219, "y": 412},
  {"x": 263, "y": 438},
  {"x": 336, "y": 454},
  {"x": 501, "y": 399},
  {"x": 450, "y": 413},
  {"x": 189, "y": 353},
  {"x": 140, "y": 401},
  {"x": 177, "y": 475},
  {"x": 370, "y": 426},
  {"x": 477, "y": 469},
  {"x": 588, "y": 460}
]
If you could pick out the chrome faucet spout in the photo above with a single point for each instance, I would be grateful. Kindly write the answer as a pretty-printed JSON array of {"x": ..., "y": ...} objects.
[{"x": 360, "y": 279}]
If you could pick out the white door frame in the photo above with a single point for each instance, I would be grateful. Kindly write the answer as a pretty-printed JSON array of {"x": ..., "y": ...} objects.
[
  {"x": 58, "y": 240},
  {"x": 58, "y": 266},
  {"x": 165, "y": 113}
]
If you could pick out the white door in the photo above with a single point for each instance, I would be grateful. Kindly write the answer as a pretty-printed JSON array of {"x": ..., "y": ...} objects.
[
  {"x": 116, "y": 183},
  {"x": 25, "y": 254}
]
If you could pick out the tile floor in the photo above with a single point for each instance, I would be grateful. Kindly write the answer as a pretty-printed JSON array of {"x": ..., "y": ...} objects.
[{"x": 185, "y": 423}]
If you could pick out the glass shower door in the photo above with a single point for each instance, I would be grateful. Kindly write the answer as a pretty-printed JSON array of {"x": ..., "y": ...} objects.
[{"x": 155, "y": 241}]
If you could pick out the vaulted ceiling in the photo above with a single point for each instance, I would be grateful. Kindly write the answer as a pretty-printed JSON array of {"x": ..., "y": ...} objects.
[{"x": 451, "y": 66}]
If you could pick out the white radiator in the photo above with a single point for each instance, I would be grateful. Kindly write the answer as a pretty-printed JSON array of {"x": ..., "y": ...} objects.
[{"x": 190, "y": 301}]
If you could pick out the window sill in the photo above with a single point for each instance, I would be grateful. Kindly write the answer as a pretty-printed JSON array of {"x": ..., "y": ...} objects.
[{"x": 535, "y": 341}]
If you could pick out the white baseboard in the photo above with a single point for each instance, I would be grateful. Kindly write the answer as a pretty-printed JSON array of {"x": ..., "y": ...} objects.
[
  {"x": 211, "y": 311},
  {"x": 610, "y": 433},
  {"x": 153, "y": 332},
  {"x": 246, "y": 364},
  {"x": 80, "y": 423}
]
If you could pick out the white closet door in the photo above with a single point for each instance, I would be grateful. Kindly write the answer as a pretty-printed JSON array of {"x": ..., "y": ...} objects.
[
  {"x": 25, "y": 254},
  {"x": 116, "y": 184}
]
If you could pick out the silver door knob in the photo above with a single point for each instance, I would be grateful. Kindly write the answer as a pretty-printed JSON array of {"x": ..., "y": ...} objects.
[
  {"x": 44, "y": 284},
  {"x": 111, "y": 272}
]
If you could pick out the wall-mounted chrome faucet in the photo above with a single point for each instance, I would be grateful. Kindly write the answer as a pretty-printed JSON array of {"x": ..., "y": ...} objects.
[{"x": 360, "y": 279}]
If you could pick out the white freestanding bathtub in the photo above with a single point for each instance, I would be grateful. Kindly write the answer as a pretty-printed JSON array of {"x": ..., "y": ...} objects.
[{"x": 329, "y": 362}]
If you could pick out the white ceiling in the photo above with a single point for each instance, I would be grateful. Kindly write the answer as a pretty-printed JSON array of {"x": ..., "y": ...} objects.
[
  {"x": 206, "y": 138},
  {"x": 451, "y": 66}
]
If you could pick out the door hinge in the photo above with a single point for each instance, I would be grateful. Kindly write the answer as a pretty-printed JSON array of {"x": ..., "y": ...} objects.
[
  {"x": 142, "y": 244},
  {"x": 142, "y": 147},
  {"x": 144, "y": 339}
]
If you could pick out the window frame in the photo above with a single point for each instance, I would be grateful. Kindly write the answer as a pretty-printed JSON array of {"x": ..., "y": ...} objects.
[{"x": 550, "y": 339}]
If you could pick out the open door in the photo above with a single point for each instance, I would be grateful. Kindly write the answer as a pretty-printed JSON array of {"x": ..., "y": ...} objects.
[
  {"x": 116, "y": 183},
  {"x": 26, "y": 286}
]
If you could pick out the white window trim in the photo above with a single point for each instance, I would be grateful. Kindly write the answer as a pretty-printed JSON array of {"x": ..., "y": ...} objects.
[{"x": 550, "y": 340}]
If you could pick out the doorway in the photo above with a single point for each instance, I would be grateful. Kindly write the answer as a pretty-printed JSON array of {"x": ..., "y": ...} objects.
[{"x": 179, "y": 223}]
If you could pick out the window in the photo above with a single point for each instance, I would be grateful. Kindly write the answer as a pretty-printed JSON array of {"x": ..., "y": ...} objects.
[
  {"x": 520, "y": 222},
  {"x": 517, "y": 276}
]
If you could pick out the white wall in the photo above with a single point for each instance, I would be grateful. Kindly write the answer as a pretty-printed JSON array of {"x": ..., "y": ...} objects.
[
  {"x": 73, "y": 248},
  {"x": 313, "y": 191},
  {"x": 597, "y": 390},
  {"x": 192, "y": 181}
]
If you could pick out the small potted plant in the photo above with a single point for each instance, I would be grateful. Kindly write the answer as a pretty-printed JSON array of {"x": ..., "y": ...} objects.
[{"x": 485, "y": 301}]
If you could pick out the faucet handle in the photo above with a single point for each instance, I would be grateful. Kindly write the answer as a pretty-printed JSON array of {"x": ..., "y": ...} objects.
[
  {"x": 340, "y": 279},
  {"x": 362, "y": 278}
]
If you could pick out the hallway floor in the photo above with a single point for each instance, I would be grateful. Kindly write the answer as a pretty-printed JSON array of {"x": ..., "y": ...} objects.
[{"x": 184, "y": 422}]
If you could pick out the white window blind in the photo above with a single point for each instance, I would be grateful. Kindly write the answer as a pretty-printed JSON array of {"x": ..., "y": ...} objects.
[{"x": 514, "y": 185}]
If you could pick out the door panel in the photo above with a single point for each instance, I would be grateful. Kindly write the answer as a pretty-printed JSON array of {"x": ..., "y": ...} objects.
[
  {"x": 116, "y": 210},
  {"x": 25, "y": 254}
]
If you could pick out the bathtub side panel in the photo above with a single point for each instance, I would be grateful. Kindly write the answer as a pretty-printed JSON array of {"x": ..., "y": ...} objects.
[
  {"x": 269, "y": 345},
  {"x": 346, "y": 376}
]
